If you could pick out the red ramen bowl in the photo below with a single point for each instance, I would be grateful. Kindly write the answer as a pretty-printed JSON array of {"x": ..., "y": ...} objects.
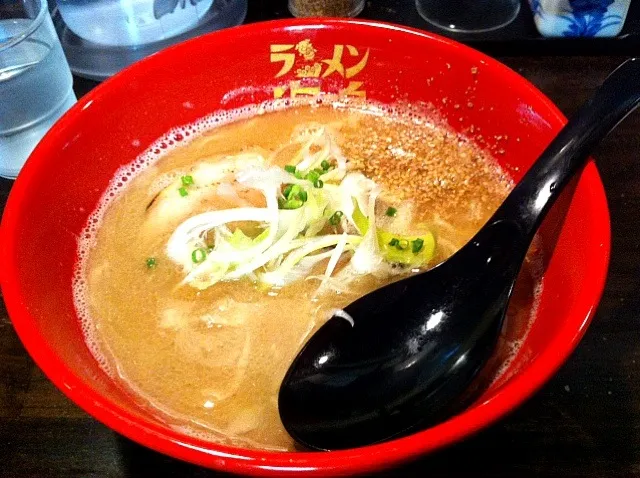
[{"x": 68, "y": 172}]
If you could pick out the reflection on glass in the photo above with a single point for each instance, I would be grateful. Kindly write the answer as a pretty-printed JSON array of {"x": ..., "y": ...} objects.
[{"x": 468, "y": 16}]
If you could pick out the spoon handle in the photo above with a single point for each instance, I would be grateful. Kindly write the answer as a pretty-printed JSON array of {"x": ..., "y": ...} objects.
[{"x": 534, "y": 195}]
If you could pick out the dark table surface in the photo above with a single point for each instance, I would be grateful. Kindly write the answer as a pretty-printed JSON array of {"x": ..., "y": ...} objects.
[{"x": 584, "y": 423}]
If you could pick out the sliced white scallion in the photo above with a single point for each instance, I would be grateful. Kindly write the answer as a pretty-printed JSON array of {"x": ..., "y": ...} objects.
[
  {"x": 281, "y": 246},
  {"x": 298, "y": 272},
  {"x": 190, "y": 232},
  {"x": 289, "y": 245},
  {"x": 310, "y": 246},
  {"x": 367, "y": 258},
  {"x": 333, "y": 261},
  {"x": 335, "y": 257}
]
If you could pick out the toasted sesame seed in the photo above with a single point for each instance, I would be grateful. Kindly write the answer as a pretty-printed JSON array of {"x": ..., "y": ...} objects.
[{"x": 439, "y": 170}]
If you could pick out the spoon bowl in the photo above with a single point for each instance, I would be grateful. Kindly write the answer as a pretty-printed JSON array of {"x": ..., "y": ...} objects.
[{"x": 347, "y": 361}]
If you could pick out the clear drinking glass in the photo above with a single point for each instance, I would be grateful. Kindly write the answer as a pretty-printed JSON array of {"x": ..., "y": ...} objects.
[
  {"x": 469, "y": 16},
  {"x": 35, "y": 80}
]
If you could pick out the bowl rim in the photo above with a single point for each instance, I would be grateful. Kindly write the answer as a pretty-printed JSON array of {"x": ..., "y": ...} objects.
[{"x": 271, "y": 463}]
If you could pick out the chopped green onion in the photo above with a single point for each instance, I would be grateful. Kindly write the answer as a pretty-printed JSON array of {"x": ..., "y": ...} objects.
[
  {"x": 293, "y": 192},
  {"x": 392, "y": 212},
  {"x": 187, "y": 180},
  {"x": 183, "y": 191},
  {"x": 325, "y": 165},
  {"x": 391, "y": 248},
  {"x": 334, "y": 220},
  {"x": 151, "y": 262},
  {"x": 199, "y": 255},
  {"x": 290, "y": 168},
  {"x": 318, "y": 183},
  {"x": 298, "y": 175},
  {"x": 402, "y": 244},
  {"x": 292, "y": 204},
  {"x": 416, "y": 246},
  {"x": 313, "y": 176}
]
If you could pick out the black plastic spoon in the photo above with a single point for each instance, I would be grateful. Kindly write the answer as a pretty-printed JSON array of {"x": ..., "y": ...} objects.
[{"x": 402, "y": 356}]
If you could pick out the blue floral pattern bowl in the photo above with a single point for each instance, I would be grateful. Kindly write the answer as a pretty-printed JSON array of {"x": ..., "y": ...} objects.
[{"x": 579, "y": 18}]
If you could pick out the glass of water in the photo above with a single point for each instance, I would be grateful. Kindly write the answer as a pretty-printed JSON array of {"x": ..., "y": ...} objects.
[
  {"x": 35, "y": 80},
  {"x": 469, "y": 16}
]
